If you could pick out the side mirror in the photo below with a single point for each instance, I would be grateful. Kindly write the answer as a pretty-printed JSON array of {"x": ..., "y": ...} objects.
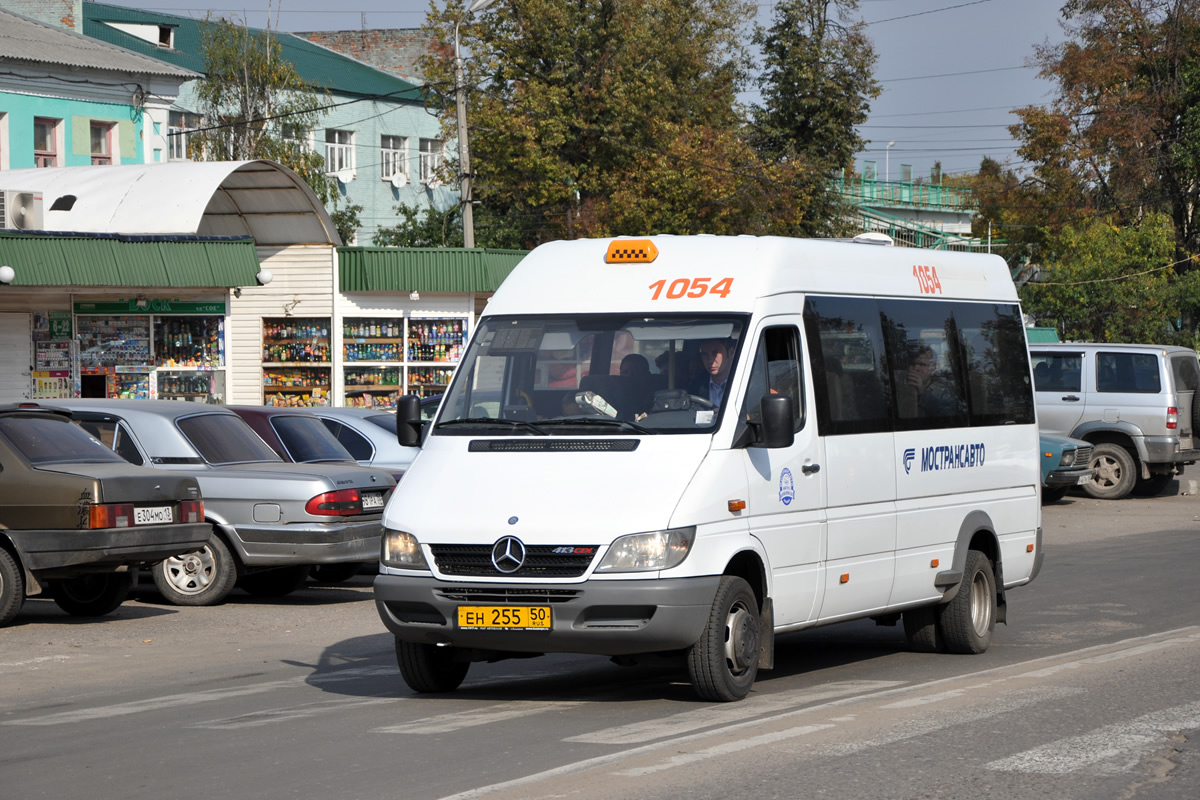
[
  {"x": 777, "y": 428},
  {"x": 408, "y": 420}
]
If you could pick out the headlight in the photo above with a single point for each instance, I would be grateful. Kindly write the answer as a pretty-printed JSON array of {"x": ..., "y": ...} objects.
[
  {"x": 1068, "y": 458},
  {"x": 401, "y": 550},
  {"x": 643, "y": 552}
]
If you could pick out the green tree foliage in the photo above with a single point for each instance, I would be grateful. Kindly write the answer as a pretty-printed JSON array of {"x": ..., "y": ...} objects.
[
  {"x": 571, "y": 101},
  {"x": 251, "y": 99},
  {"x": 422, "y": 228}
]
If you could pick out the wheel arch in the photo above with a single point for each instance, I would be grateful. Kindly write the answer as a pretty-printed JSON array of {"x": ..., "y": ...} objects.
[
  {"x": 32, "y": 585},
  {"x": 977, "y": 532},
  {"x": 750, "y": 567},
  {"x": 1123, "y": 434}
]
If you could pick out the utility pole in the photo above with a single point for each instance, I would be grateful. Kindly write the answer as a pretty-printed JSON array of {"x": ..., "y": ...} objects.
[{"x": 464, "y": 150}]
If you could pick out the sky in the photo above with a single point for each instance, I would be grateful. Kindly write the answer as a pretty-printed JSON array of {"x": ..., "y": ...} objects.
[{"x": 951, "y": 70}]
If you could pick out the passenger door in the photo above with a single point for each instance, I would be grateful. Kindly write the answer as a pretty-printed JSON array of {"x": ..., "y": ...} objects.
[
  {"x": 786, "y": 485},
  {"x": 1058, "y": 389}
]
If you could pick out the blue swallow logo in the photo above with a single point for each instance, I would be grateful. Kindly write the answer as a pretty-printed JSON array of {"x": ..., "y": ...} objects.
[{"x": 909, "y": 456}]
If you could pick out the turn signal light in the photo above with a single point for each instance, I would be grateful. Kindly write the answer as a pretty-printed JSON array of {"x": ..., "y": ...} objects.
[
  {"x": 111, "y": 515},
  {"x": 845, "y": 578},
  {"x": 342, "y": 503},
  {"x": 736, "y": 506}
]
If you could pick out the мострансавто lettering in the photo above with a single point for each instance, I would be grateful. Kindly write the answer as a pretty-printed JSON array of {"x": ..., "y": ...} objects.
[{"x": 953, "y": 456}]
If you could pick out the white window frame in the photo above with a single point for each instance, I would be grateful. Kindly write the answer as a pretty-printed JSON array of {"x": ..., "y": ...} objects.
[
  {"x": 339, "y": 150},
  {"x": 4, "y": 140},
  {"x": 432, "y": 155},
  {"x": 178, "y": 127},
  {"x": 393, "y": 156}
]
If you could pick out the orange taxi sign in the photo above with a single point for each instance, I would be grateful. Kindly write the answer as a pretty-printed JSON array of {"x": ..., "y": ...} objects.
[{"x": 630, "y": 251}]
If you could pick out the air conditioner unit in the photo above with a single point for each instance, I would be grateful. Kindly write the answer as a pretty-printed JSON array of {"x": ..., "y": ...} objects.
[{"x": 20, "y": 211}]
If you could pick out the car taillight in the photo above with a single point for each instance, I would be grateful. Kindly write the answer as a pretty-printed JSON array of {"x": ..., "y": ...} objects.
[
  {"x": 191, "y": 511},
  {"x": 1172, "y": 417},
  {"x": 343, "y": 502},
  {"x": 111, "y": 515}
]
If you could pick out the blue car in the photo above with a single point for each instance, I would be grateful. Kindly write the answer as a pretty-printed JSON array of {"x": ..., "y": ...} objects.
[{"x": 1066, "y": 463}]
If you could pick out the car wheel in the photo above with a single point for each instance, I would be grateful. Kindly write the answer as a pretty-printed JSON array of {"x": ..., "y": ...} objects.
[
  {"x": 334, "y": 573},
  {"x": 1115, "y": 472},
  {"x": 275, "y": 582},
  {"x": 92, "y": 595},
  {"x": 967, "y": 621},
  {"x": 202, "y": 578},
  {"x": 1152, "y": 486},
  {"x": 427, "y": 668},
  {"x": 1053, "y": 495},
  {"x": 921, "y": 630},
  {"x": 724, "y": 662},
  {"x": 12, "y": 587}
]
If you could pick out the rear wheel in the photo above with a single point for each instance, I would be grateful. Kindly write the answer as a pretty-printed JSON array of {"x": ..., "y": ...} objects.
[
  {"x": 921, "y": 631},
  {"x": 429, "y": 669},
  {"x": 1115, "y": 472},
  {"x": 12, "y": 587},
  {"x": 1152, "y": 486},
  {"x": 967, "y": 621},
  {"x": 724, "y": 663},
  {"x": 92, "y": 595},
  {"x": 202, "y": 578},
  {"x": 275, "y": 582}
]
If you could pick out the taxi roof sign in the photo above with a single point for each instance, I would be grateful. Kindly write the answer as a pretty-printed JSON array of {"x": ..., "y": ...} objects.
[{"x": 631, "y": 251}]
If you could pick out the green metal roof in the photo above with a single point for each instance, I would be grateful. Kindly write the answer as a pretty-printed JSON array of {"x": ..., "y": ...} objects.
[
  {"x": 443, "y": 269},
  {"x": 1037, "y": 335},
  {"x": 41, "y": 259},
  {"x": 316, "y": 65}
]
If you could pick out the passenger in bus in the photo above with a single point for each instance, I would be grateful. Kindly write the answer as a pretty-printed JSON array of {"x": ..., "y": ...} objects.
[
  {"x": 935, "y": 396},
  {"x": 716, "y": 356}
]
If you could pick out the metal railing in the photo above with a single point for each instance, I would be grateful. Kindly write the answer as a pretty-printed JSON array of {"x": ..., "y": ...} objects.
[{"x": 920, "y": 195}]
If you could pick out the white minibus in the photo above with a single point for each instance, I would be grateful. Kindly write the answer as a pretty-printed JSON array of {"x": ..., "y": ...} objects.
[{"x": 689, "y": 445}]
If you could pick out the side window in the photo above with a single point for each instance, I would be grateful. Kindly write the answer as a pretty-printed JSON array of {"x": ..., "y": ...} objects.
[
  {"x": 845, "y": 343},
  {"x": 114, "y": 436},
  {"x": 1057, "y": 372},
  {"x": 358, "y": 445},
  {"x": 776, "y": 370},
  {"x": 927, "y": 374},
  {"x": 995, "y": 363},
  {"x": 1127, "y": 372},
  {"x": 1186, "y": 370},
  {"x": 125, "y": 448}
]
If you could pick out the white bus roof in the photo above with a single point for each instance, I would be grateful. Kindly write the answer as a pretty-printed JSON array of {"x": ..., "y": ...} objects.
[{"x": 574, "y": 277}]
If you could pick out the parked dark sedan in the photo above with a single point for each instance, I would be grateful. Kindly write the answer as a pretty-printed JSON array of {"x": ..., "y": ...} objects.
[
  {"x": 75, "y": 516},
  {"x": 295, "y": 434}
]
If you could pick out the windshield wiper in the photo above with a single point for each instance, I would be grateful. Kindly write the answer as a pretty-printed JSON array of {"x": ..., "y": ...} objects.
[
  {"x": 488, "y": 421},
  {"x": 606, "y": 421}
]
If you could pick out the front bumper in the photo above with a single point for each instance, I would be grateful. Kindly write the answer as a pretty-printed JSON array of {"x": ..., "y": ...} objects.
[
  {"x": 308, "y": 543},
  {"x": 623, "y": 617},
  {"x": 1069, "y": 477},
  {"x": 107, "y": 547}
]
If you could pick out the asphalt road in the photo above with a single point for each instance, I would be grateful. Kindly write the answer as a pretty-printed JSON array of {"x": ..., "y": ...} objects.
[{"x": 1091, "y": 691}]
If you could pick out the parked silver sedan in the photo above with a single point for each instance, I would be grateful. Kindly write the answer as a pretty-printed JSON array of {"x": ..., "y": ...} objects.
[
  {"x": 271, "y": 520},
  {"x": 370, "y": 434}
]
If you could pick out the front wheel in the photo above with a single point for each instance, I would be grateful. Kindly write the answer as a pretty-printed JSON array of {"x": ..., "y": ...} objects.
[
  {"x": 724, "y": 662},
  {"x": 1152, "y": 486},
  {"x": 12, "y": 587},
  {"x": 967, "y": 621},
  {"x": 427, "y": 668},
  {"x": 92, "y": 595},
  {"x": 202, "y": 578},
  {"x": 1054, "y": 495},
  {"x": 1115, "y": 472}
]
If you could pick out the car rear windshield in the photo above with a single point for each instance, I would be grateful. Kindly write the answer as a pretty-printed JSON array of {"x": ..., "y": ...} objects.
[
  {"x": 225, "y": 439},
  {"x": 51, "y": 441},
  {"x": 307, "y": 439}
]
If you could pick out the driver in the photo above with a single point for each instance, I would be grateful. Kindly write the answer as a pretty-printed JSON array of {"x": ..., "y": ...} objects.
[{"x": 716, "y": 356}]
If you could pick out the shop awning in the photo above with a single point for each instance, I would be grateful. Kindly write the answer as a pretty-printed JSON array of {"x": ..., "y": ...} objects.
[
  {"x": 404, "y": 269},
  {"x": 129, "y": 261}
]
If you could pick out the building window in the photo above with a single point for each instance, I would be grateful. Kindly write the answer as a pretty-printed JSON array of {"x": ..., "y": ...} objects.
[
  {"x": 45, "y": 142},
  {"x": 431, "y": 159},
  {"x": 178, "y": 127},
  {"x": 102, "y": 149},
  {"x": 393, "y": 156},
  {"x": 3, "y": 140},
  {"x": 339, "y": 151}
]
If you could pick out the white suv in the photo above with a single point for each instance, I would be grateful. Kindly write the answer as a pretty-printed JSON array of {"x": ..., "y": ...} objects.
[{"x": 1133, "y": 402}]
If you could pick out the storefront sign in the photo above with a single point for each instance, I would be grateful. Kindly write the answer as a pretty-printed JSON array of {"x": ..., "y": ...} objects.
[
  {"x": 146, "y": 305},
  {"x": 60, "y": 325}
]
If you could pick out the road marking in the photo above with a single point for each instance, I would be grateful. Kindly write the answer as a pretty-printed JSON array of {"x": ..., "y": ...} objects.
[
  {"x": 928, "y": 699},
  {"x": 1111, "y": 749},
  {"x": 286, "y": 714},
  {"x": 1117, "y": 655},
  {"x": 724, "y": 749},
  {"x": 726, "y": 714},
  {"x": 34, "y": 661},
  {"x": 446, "y": 723}
]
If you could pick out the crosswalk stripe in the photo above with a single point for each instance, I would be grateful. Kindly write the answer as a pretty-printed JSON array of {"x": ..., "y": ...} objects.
[
  {"x": 445, "y": 723},
  {"x": 286, "y": 714}
]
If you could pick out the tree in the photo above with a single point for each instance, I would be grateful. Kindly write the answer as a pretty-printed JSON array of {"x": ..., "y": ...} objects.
[
  {"x": 569, "y": 102},
  {"x": 433, "y": 228},
  {"x": 255, "y": 105}
]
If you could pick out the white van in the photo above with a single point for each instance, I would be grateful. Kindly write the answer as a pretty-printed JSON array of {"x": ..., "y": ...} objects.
[{"x": 563, "y": 503}]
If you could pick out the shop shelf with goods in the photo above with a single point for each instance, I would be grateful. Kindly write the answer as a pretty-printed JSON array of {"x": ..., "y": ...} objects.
[
  {"x": 372, "y": 386},
  {"x": 295, "y": 386},
  {"x": 197, "y": 386},
  {"x": 373, "y": 339},
  {"x": 428, "y": 381},
  {"x": 112, "y": 341},
  {"x": 189, "y": 341},
  {"x": 289, "y": 340},
  {"x": 436, "y": 340},
  {"x": 129, "y": 385}
]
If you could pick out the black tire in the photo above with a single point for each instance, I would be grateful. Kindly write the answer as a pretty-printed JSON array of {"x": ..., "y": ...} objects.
[
  {"x": 92, "y": 595},
  {"x": 724, "y": 662},
  {"x": 967, "y": 621},
  {"x": 429, "y": 669},
  {"x": 203, "y": 578},
  {"x": 1152, "y": 486},
  {"x": 921, "y": 630},
  {"x": 1116, "y": 472},
  {"x": 1054, "y": 495},
  {"x": 334, "y": 573},
  {"x": 275, "y": 582},
  {"x": 12, "y": 587}
]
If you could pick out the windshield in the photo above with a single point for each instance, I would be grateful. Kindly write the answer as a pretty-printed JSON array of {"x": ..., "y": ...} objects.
[
  {"x": 54, "y": 441},
  {"x": 594, "y": 374},
  {"x": 225, "y": 439},
  {"x": 307, "y": 439}
]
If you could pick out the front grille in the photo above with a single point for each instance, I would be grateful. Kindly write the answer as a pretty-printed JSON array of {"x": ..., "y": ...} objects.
[
  {"x": 541, "y": 561},
  {"x": 463, "y": 594},
  {"x": 1083, "y": 456}
]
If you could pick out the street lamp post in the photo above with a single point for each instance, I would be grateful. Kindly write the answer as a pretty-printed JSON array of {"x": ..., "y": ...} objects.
[
  {"x": 887, "y": 163},
  {"x": 464, "y": 155}
]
